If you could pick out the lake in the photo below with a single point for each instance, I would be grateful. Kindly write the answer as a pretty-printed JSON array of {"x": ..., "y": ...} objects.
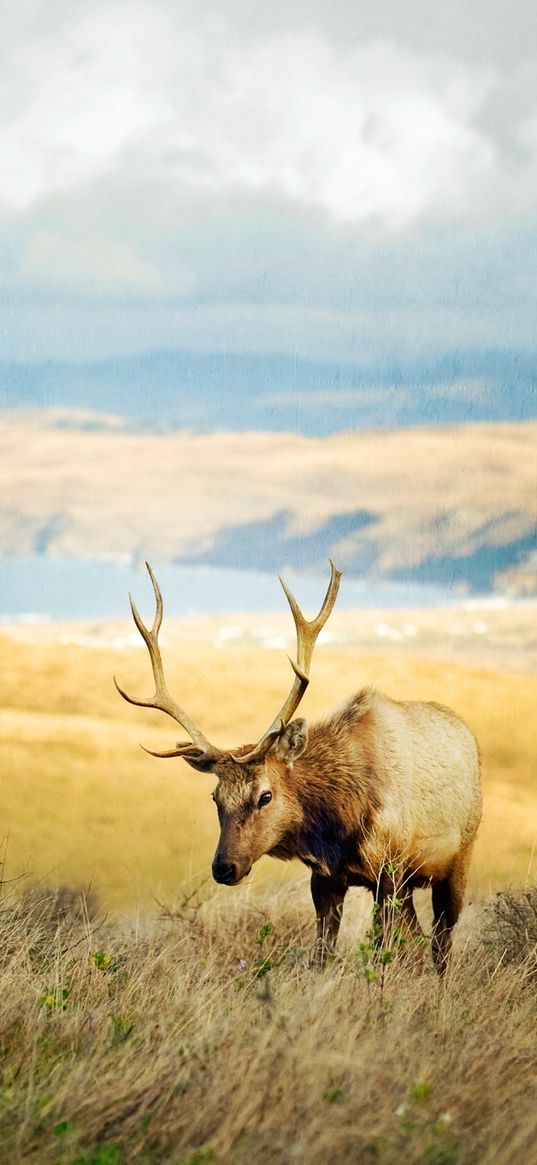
[{"x": 40, "y": 589}]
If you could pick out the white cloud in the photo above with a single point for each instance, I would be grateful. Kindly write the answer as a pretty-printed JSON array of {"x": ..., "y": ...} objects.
[
  {"x": 282, "y": 176},
  {"x": 86, "y": 264},
  {"x": 372, "y": 130},
  {"x": 373, "y": 133},
  {"x": 76, "y": 101}
]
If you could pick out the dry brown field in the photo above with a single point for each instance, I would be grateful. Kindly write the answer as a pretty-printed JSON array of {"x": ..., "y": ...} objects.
[
  {"x": 161, "y": 1020},
  {"x": 82, "y": 804}
]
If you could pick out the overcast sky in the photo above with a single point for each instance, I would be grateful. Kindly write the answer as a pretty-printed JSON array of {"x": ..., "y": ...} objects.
[{"x": 333, "y": 177}]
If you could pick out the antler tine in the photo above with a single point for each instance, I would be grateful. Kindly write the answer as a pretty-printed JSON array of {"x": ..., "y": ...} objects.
[
  {"x": 307, "y": 632},
  {"x": 159, "y": 607},
  {"x": 184, "y": 750},
  {"x": 162, "y": 699}
]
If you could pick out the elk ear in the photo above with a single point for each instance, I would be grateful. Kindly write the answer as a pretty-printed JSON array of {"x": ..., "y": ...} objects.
[
  {"x": 204, "y": 762},
  {"x": 291, "y": 742}
]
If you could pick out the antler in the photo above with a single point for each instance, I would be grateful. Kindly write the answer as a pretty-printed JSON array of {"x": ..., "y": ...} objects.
[
  {"x": 162, "y": 698},
  {"x": 306, "y": 635}
]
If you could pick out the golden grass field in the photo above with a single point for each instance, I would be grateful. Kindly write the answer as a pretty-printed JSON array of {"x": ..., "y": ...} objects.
[
  {"x": 195, "y": 1032},
  {"x": 82, "y": 804}
]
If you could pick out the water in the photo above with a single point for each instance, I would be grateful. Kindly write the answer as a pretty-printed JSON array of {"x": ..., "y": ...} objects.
[{"x": 41, "y": 589}]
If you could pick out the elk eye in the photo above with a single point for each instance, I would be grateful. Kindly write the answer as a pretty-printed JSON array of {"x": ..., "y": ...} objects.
[{"x": 264, "y": 799}]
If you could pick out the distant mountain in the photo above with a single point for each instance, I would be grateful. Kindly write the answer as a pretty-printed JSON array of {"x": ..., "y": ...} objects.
[
  {"x": 276, "y": 393},
  {"x": 452, "y": 506}
]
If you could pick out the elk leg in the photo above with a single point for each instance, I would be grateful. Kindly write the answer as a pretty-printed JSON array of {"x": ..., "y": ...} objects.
[
  {"x": 448, "y": 896},
  {"x": 328, "y": 896},
  {"x": 413, "y": 943}
]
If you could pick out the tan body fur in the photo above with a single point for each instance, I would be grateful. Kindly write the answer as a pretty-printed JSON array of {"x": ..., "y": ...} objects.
[{"x": 378, "y": 786}]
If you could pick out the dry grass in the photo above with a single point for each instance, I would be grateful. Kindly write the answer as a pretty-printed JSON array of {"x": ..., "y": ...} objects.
[
  {"x": 203, "y": 1041},
  {"x": 510, "y": 928}
]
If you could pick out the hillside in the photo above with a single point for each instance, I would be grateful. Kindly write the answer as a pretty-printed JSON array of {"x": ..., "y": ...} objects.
[{"x": 453, "y": 505}]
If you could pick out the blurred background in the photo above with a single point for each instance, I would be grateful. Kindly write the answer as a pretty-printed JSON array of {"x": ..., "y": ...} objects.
[{"x": 268, "y": 296}]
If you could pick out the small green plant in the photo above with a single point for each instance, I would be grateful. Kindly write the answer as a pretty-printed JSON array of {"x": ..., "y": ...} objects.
[
  {"x": 262, "y": 964},
  {"x": 335, "y": 1095},
  {"x": 54, "y": 999},
  {"x": 101, "y": 960},
  {"x": 376, "y": 953},
  {"x": 101, "y": 1155},
  {"x": 181, "y": 1088},
  {"x": 61, "y": 1128},
  {"x": 122, "y": 1028},
  {"x": 422, "y": 1090},
  {"x": 202, "y": 1156},
  {"x": 266, "y": 929},
  {"x": 447, "y": 1154},
  {"x": 293, "y": 956},
  {"x": 417, "y": 1128},
  {"x": 365, "y": 954},
  {"x": 262, "y": 967},
  {"x": 375, "y": 1147}
]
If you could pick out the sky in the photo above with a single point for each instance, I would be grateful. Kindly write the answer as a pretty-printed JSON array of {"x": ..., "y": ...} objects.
[{"x": 336, "y": 179}]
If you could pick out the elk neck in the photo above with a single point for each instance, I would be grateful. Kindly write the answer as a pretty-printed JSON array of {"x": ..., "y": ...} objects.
[{"x": 332, "y": 790}]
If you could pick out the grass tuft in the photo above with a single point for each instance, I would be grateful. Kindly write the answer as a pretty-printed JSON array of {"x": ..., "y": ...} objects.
[{"x": 510, "y": 929}]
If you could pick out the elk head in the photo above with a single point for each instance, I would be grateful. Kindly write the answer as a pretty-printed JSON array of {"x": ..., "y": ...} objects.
[{"x": 254, "y": 798}]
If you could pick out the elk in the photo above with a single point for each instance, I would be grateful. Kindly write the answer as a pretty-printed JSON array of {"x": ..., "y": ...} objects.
[{"x": 383, "y": 794}]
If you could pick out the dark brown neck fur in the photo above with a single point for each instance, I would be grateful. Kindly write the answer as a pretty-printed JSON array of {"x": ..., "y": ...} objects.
[{"x": 332, "y": 792}]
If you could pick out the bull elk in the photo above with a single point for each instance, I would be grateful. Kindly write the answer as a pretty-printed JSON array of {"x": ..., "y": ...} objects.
[{"x": 382, "y": 793}]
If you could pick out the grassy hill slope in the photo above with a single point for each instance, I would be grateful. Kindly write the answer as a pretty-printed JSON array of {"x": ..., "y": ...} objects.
[{"x": 452, "y": 505}]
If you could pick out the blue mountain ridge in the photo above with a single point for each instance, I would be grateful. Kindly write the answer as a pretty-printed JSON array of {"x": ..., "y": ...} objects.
[{"x": 278, "y": 393}]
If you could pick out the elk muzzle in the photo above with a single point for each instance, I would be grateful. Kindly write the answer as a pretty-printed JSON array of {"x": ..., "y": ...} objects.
[{"x": 227, "y": 873}]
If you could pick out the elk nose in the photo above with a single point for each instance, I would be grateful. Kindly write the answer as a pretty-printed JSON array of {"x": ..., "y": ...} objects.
[{"x": 225, "y": 872}]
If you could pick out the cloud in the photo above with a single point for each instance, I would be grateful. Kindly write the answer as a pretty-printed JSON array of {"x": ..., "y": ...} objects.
[
  {"x": 75, "y": 100},
  {"x": 85, "y": 264},
  {"x": 372, "y": 130},
  {"x": 321, "y": 177}
]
